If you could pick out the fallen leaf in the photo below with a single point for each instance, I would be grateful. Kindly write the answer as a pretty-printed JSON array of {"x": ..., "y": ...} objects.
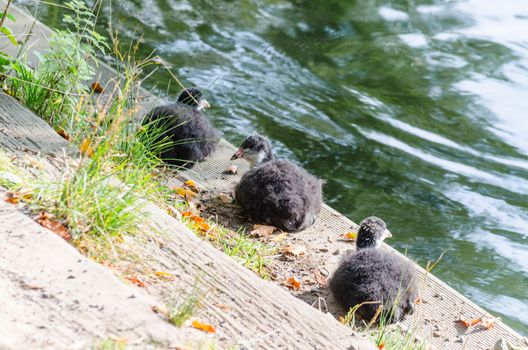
[
  {"x": 96, "y": 87},
  {"x": 203, "y": 327},
  {"x": 136, "y": 281},
  {"x": 262, "y": 230},
  {"x": 225, "y": 198},
  {"x": 186, "y": 214},
  {"x": 203, "y": 226},
  {"x": 25, "y": 194},
  {"x": 295, "y": 250},
  {"x": 381, "y": 346},
  {"x": 223, "y": 307},
  {"x": 31, "y": 286},
  {"x": 164, "y": 275},
  {"x": 12, "y": 198},
  {"x": 293, "y": 283},
  {"x": 232, "y": 169},
  {"x": 184, "y": 192},
  {"x": 86, "y": 147},
  {"x": 319, "y": 278},
  {"x": 191, "y": 184},
  {"x": 280, "y": 237},
  {"x": 468, "y": 323},
  {"x": 62, "y": 133},
  {"x": 351, "y": 236},
  {"x": 418, "y": 301},
  {"x": 47, "y": 220},
  {"x": 487, "y": 322}
]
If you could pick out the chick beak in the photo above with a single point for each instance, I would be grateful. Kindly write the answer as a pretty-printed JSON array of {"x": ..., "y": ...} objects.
[
  {"x": 387, "y": 234},
  {"x": 238, "y": 154},
  {"x": 203, "y": 105}
]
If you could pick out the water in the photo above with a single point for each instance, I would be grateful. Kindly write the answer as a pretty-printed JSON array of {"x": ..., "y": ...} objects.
[{"x": 415, "y": 111}]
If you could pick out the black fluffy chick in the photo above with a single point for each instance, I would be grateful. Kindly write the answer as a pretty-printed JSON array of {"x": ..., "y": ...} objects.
[
  {"x": 375, "y": 277},
  {"x": 276, "y": 192},
  {"x": 186, "y": 127}
]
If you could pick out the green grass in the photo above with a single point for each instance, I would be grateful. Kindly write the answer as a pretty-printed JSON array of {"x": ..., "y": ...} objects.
[
  {"x": 109, "y": 344},
  {"x": 249, "y": 252},
  {"x": 181, "y": 312}
]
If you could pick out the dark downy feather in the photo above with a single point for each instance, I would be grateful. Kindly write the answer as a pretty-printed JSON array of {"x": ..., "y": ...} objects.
[
  {"x": 280, "y": 193},
  {"x": 188, "y": 128},
  {"x": 374, "y": 275}
]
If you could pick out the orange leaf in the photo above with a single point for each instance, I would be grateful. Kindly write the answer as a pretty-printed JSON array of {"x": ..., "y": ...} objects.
[
  {"x": 191, "y": 184},
  {"x": 47, "y": 220},
  {"x": 381, "y": 346},
  {"x": 186, "y": 214},
  {"x": 203, "y": 226},
  {"x": 96, "y": 87},
  {"x": 204, "y": 327},
  {"x": 351, "y": 236},
  {"x": 468, "y": 323},
  {"x": 183, "y": 192},
  {"x": 86, "y": 147},
  {"x": 136, "y": 281},
  {"x": 293, "y": 283},
  {"x": 12, "y": 198}
]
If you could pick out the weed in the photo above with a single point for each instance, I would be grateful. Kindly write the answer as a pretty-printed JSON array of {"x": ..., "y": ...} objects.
[
  {"x": 251, "y": 253},
  {"x": 53, "y": 89},
  {"x": 110, "y": 344},
  {"x": 181, "y": 312}
]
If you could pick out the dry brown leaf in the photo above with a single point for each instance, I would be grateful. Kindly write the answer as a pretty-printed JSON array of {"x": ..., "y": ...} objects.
[
  {"x": 319, "y": 278},
  {"x": 31, "y": 286},
  {"x": 62, "y": 133},
  {"x": 294, "y": 249},
  {"x": 225, "y": 198},
  {"x": 96, "y": 87},
  {"x": 136, "y": 281},
  {"x": 232, "y": 169},
  {"x": 293, "y": 283},
  {"x": 350, "y": 235},
  {"x": 86, "y": 147},
  {"x": 280, "y": 237},
  {"x": 165, "y": 275},
  {"x": 487, "y": 322},
  {"x": 262, "y": 230},
  {"x": 223, "y": 307},
  {"x": 203, "y": 327},
  {"x": 47, "y": 220}
]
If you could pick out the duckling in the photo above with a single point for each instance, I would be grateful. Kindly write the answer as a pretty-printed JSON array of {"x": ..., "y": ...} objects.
[
  {"x": 371, "y": 274},
  {"x": 187, "y": 127},
  {"x": 276, "y": 192}
]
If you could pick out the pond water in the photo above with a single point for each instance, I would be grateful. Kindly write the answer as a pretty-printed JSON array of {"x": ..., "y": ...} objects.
[{"x": 415, "y": 111}]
